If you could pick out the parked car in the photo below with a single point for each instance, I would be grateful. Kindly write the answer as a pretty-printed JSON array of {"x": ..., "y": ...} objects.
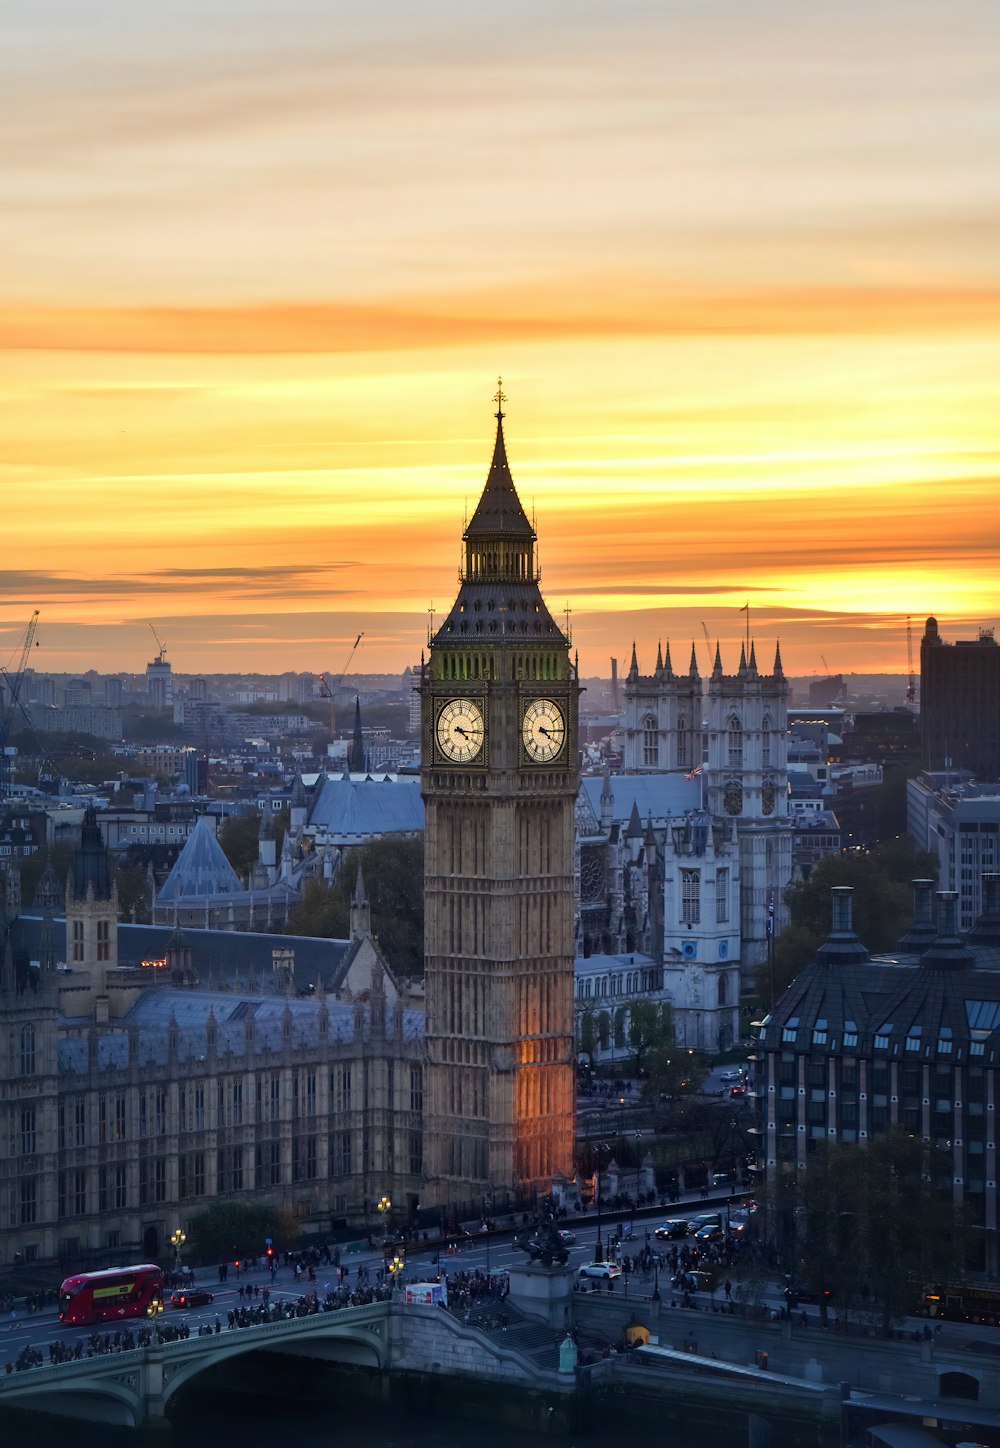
[
  {"x": 600, "y": 1269},
  {"x": 730, "y": 1075},
  {"x": 671, "y": 1228},
  {"x": 723, "y": 1178},
  {"x": 567, "y": 1238},
  {"x": 191, "y": 1297}
]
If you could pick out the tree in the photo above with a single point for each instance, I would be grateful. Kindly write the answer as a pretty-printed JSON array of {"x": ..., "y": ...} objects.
[
  {"x": 882, "y": 904},
  {"x": 227, "y": 1230},
  {"x": 670, "y": 1069},
  {"x": 393, "y": 869},
  {"x": 239, "y": 837},
  {"x": 872, "y": 1225},
  {"x": 588, "y": 1034}
]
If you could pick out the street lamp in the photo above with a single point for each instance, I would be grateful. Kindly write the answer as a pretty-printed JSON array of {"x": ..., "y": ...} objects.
[
  {"x": 396, "y": 1268},
  {"x": 177, "y": 1240},
  {"x": 599, "y": 1249},
  {"x": 383, "y": 1206}
]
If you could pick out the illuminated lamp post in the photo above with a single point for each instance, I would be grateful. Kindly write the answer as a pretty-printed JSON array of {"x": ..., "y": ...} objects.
[
  {"x": 177, "y": 1240},
  {"x": 383, "y": 1206},
  {"x": 396, "y": 1269}
]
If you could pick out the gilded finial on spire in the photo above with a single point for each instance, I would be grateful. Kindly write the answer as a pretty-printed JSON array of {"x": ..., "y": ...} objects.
[{"x": 499, "y": 397}]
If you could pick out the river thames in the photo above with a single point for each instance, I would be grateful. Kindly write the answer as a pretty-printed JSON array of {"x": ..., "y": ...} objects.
[{"x": 232, "y": 1421}]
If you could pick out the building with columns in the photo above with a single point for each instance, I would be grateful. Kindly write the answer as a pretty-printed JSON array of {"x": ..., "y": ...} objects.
[
  {"x": 860, "y": 1043},
  {"x": 500, "y": 774}
]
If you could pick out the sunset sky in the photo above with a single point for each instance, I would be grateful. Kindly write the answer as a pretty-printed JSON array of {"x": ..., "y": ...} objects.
[{"x": 738, "y": 262}]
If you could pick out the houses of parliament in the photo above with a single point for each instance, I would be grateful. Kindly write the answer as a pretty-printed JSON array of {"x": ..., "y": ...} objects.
[
  {"x": 133, "y": 1094},
  {"x": 127, "y": 1107}
]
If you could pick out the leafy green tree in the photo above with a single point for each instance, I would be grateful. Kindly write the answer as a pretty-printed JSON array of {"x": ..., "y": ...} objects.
[
  {"x": 874, "y": 1224},
  {"x": 239, "y": 837},
  {"x": 134, "y": 895},
  {"x": 882, "y": 904},
  {"x": 227, "y": 1230},
  {"x": 393, "y": 869},
  {"x": 588, "y": 1034}
]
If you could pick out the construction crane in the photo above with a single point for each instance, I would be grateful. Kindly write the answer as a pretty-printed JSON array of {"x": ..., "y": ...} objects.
[
  {"x": 329, "y": 688},
  {"x": 826, "y": 667},
  {"x": 911, "y": 686},
  {"x": 14, "y": 683},
  {"x": 159, "y": 644},
  {"x": 708, "y": 646}
]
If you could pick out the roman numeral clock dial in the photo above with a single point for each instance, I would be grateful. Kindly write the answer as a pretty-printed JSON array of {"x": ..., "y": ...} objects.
[
  {"x": 543, "y": 731},
  {"x": 460, "y": 731}
]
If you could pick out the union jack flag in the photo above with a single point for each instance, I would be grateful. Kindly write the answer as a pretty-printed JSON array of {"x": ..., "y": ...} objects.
[{"x": 693, "y": 773}]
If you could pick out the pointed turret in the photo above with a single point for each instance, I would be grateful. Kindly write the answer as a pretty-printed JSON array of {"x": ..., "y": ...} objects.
[
  {"x": 361, "y": 917},
  {"x": 659, "y": 658},
  {"x": 693, "y": 666},
  {"x": 499, "y": 512},
  {"x": 668, "y": 667},
  {"x": 717, "y": 666},
  {"x": 356, "y": 752},
  {"x": 633, "y": 668},
  {"x": 634, "y": 830},
  {"x": 778, "y": 670},
  {"x": 607, "y": 802},
  {"x": 91, "y": 871},
  {"x": 741, "y": 671},
  {"x": 752, "y": 661}
]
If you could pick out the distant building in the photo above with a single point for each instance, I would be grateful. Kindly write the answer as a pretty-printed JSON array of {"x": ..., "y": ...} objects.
[
  {"x": 859, "y": 1044},
  {"x": 824, "y": 693},
  {"x": 91, "y": 719},
  {"x": 957, "y": 820},
  {"x": 960, "y": 703},
  {"x": 160, "y": 683}
]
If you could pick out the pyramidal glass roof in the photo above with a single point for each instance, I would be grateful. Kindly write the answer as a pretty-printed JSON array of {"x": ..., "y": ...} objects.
[{"x": 201, "y": 869}]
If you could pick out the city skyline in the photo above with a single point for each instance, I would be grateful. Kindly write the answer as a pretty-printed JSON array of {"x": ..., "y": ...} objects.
[{"x": 737, "y": 267}]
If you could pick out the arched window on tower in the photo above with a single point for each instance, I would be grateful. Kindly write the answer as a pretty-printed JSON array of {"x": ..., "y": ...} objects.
[
  {"x": 27, "y": 1050},
  {"x": 650, "y": 743},
  {"x": 765, "y": 741},
  {"x": 723, "y": 989},
  {"x": 734, "y": 756},
  {"x": 682, "y": 743}
]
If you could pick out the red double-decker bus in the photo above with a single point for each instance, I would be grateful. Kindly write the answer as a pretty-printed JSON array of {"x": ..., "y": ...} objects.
[{"x": 110, "y": 1295}]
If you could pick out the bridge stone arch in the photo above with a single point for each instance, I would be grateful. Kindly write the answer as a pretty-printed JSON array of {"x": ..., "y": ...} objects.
[
  {"x": 118, "y": 1399},
  {"x": 358, "y": 1343}
]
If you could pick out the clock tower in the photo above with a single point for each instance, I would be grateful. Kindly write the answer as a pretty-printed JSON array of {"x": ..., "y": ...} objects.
[{"x": 499, "y": 777}]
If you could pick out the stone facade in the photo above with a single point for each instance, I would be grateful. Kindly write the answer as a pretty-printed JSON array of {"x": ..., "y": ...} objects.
[{"x": 500, "y": 772}]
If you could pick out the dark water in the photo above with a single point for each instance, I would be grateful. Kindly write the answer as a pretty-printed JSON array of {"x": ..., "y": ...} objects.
[{"x": 233, "y": 1421}]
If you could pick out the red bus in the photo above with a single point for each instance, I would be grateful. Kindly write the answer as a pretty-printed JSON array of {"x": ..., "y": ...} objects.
[{"x": 110, "y": 1295}]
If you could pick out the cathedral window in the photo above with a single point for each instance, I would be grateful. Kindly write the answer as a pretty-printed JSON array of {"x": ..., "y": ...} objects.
[
  {"x": 650, "y": 743},
  {"x": 735, "y": 744},
  {"x": 121, "y": 1187},
  {"x": 29, "y": 1201},
  {"x": 690, "y": 897},
  {"x": 79, "y": 1122},
  {"x": 765, "y": 742},
  {"x": 77, "y": 940},
  {"x": 160, "y": 1112},
  {"x": 682, "y": 743},
  {"x": 27, "y": 1050},
  {"x": 416, "y": 1153},
  {"x": 723, "y": 990},
  {"x": 28, "y": 1135},
  {"x": 104, "y": 939},
  {"x": 721, "y": 896},
  {"x": 416, "y": 1088}
]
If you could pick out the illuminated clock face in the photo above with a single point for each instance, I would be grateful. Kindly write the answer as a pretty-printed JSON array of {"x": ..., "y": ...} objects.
[
  {"x": 460, "y": 730},
  {"x": 543, "y": 730}
]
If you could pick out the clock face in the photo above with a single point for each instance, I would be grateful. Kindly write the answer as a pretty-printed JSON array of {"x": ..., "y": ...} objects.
[
  {"x": 543, "y": 730},
  {"x": 460, "y": 730}
]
